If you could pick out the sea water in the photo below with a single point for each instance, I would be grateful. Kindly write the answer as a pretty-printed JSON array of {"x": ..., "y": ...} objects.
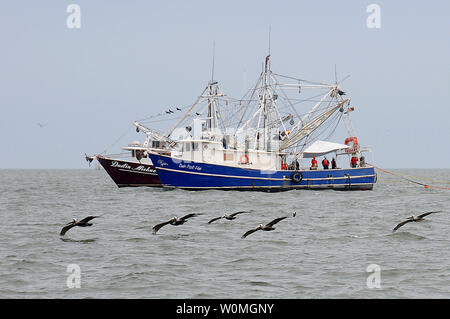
[{"x": 339, "y": 245}]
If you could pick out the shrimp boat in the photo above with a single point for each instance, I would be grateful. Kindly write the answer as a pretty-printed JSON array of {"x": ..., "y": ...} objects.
[
  {"x": 268, "y": 147},
  {"x": 134, "y": 167}
]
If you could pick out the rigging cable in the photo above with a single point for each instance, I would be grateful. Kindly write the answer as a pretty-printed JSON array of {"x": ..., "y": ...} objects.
[
  {"x": 121, "y": 136},
  {"x": 409, "y": 180}
]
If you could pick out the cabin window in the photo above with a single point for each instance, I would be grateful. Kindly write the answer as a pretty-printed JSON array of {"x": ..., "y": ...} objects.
[
  {"x": 228, "y": 157},
  {"x": 187, "y": 147},
  {"x": 195, "y": 146},
  {"x": 156, "y": 144}
]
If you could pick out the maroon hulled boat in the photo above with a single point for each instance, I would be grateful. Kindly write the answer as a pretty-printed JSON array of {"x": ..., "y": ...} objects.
[
  {"x": 130, "y": 174},
  {"x": 134, "y": 168}
]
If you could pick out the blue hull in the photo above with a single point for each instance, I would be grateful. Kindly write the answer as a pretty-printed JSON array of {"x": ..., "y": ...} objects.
[{"x": 192, "y": 175}]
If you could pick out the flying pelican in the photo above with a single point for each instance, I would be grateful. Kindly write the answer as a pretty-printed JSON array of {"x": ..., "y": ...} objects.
[
  {"x": 266, "y": 227},
  {"x": 74, "y": 222},
  {"x": 413, "y": 219},
  {"x": 175, "y": 221},
  {"x": 226, "y": 216}
]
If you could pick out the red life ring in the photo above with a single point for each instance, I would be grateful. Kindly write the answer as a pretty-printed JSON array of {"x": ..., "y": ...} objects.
[
  {"x": 244, "y": 159},
  {"x": 353, "y": 143}
]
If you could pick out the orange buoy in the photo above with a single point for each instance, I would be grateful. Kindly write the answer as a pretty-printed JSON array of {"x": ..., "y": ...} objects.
[{"x": 244, "y": 159}]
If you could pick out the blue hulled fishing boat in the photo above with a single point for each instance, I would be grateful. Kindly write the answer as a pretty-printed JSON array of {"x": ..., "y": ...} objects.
[
  {"x": 199, "y": 175},
  {"x": 268, "y": 144}
]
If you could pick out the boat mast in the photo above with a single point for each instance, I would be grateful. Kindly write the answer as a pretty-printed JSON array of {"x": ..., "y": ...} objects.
[
  {"x": 265, "y": 98},
  {"x": 211, "y": 123},
  {"x": 269, "y": 107}
]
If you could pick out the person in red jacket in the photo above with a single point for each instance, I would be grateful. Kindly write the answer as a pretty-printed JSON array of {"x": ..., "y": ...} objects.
[
  {"x": 354, "y": 161},
  {"x": 314, "y": 164},
  {"x": 325, "y": 163}
]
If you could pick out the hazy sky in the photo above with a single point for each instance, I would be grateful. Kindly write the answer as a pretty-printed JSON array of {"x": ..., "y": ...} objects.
[{"x": 132, "y": 59}]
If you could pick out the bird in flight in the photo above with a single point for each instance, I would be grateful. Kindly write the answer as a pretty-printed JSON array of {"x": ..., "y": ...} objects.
[
  {"x": 82, "y": 223},
  {"x": 175, "y": 221},
  {"x": 266, "y": 227},
  {"x": 228, "y": 217},
  {"x": 413, "y": 219}
]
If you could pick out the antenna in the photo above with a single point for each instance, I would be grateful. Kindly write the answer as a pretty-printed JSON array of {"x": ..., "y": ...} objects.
[
  {"x": 335, "y": 75},
  {"x": 267, "y": 67},
  {"x": 214, "y": 53}
]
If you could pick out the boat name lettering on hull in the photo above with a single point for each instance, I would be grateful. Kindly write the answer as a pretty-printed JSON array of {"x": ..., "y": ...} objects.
[
  {"x": 193, "y": 167},
  {"x": 140, "y": 168},
  {"x": 124, "y": 165},
  {"x": 162, "y": 163},
  {"x": 145, "y": 169}
]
